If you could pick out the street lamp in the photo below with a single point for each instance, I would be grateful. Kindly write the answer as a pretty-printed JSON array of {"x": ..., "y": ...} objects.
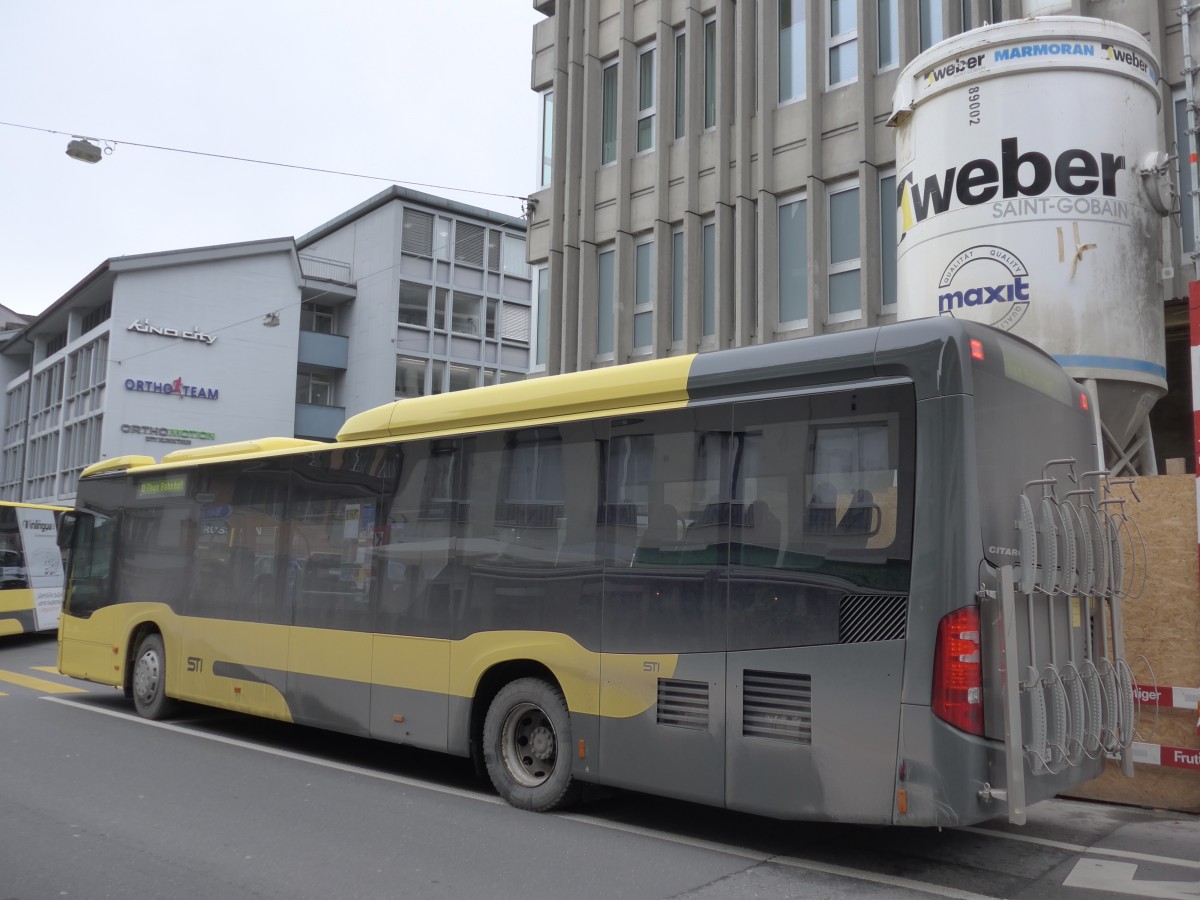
[{"x": 84, "y": 150}]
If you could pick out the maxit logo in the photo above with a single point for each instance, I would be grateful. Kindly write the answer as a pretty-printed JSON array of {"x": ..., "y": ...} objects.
[{"x": 985, "y": 275}]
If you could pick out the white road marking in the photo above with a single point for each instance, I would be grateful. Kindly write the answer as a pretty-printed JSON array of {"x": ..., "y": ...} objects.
[
  {"x": 1082, "y": 848},
  {"x": 284, "y": 754},
  {"x": 1118, "y": 878},
  {"x": 794, "y": 862},
  {"x": 740, "y": 852},
  {"x": 1094, "y": 875}
]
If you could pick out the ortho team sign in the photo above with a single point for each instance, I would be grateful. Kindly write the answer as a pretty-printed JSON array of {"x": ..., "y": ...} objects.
[{"x": 176, "y": 387}]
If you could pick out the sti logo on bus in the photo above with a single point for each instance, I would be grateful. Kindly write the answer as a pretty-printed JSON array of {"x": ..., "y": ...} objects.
[{"x": 1076, "y": 172}]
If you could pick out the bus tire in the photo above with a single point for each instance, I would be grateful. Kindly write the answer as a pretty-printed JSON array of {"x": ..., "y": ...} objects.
[
  {"x": 150, "y": 679},
  {"x": 526, "y": 745}
]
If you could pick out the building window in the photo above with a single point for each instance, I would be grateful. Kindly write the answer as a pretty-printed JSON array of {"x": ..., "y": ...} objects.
[
  {"x": 512, "y": 260},
  {"x": 318, "y": 318},
  {"x": 463, "y": 377},
  {"x": 443, "y": 236},
  {"x": 314, "y": 388},
  {"x": 604, "y": 302},
  {"x": 493, "y": 254},
  {"x": 543, "y": 315},
  {"x": 547, "y": 136},
  {"x": 468, "y": 244},
  {"x": 417, "y": 233},
  {"x": 793, "y": 60},
  {"x": 845, "y": 263},
  {"x": 889, "y": 34},
  {"x": 1185, "y": 176},
  {"x": 793, "y": 263},
  {"x": 489, "y": 325},
  {"x": 680, "y": 85},
  {"x": 514, "y": 323},
  {"x": 646, "y": 102},
  {"x": 465, "y": 319},
  {"x": 709, "y": 260},
  {"x": 97, "y": 316},
  {"x": 608, "y": 121},
  {"x": 410, "y": 377},
  {"x": 643, "y": 296},
  {"x": 441, "y": 303},
  {"x": 414, "y": 304},
  {"x": 932, "y": 27},
  {"x": 677, "y": 281},
  {"x": 887, "y": 239},
  {"x": 437, "y": 376},
  {"x": 966, "y": 15},
  {"x": 843, "y": 42},
  {"x": 710, "y": 73}
]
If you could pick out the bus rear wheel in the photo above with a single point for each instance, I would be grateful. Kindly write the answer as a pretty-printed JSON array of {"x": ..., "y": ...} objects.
[
  {"x": 526, "y": 741},
  {"x": 150, "y": 679}
]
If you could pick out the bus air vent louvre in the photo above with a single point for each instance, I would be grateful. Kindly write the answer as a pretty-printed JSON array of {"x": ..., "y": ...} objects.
[
  {"x": 872, "y": 617},
  {"x": 683, "y": 704},
  {"x": 777, "y": 706}
]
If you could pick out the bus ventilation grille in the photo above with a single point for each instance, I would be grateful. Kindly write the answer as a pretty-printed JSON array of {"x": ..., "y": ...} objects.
[
  {"x": 872, "y": 617},
  {"x": 683, "y": 704},
  {"x": 777, "y": 706}
]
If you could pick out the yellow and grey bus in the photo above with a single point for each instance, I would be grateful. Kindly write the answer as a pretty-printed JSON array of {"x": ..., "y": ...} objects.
[
  {"x": 31, "y": 573},
  {"x": 796, "y": 579}
]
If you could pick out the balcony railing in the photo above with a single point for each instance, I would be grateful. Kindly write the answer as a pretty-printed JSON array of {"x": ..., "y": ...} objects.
[
  {"x": 325, "y": 269},
  {"x": 329, "y": 351},
  {"x": 321, "y": 422}
]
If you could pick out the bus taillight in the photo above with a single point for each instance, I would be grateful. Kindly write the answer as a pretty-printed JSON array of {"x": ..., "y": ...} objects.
[{"x": 958, "y": 671}]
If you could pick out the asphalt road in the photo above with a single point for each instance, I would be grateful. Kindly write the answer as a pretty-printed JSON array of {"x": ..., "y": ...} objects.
[{"x": 97, "y": 803}]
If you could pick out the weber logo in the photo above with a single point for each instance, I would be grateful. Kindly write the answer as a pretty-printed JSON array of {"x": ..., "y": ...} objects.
[{"x": 1076, "y": 172}]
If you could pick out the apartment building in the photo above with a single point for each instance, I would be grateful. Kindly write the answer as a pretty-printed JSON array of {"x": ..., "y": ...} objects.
[{"x": 403, "y": 295}]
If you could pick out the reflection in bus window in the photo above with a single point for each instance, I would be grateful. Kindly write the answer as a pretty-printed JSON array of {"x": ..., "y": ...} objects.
[
  {"x": 418, "y": 541},
  {"x": 334, "y": 503}
]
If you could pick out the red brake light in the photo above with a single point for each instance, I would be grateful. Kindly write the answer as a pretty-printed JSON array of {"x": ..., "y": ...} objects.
[
  {"x": 958, "y": 671},
  {"x": 976, "y": 350},
  {"x": 1083, "y": 403}
]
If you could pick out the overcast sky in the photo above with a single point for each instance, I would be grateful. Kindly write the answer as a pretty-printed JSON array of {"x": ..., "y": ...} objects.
[{"x": 432, "y": 91}]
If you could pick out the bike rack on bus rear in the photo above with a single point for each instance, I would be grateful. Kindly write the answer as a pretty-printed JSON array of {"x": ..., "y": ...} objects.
[{"x": 1080, "y": 550}]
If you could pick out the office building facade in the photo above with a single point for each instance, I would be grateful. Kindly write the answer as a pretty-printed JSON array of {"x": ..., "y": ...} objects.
[{"x": 717, "y": 173}]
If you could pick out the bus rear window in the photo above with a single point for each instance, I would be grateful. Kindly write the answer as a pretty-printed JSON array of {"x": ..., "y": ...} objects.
[{"x": 1027, "y": 412}]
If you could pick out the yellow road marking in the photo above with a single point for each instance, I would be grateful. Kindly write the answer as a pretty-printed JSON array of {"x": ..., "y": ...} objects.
[
  {"x": 53, "y": 670},
  {"x": 39, "y": 684}
]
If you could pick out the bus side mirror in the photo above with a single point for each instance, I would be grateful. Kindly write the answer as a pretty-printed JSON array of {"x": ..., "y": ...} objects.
[{"x": 66, "y": 530}]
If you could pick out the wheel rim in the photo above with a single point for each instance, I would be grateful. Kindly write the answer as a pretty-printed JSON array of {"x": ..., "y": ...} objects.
[
  {"x": 528, "y": 744},
  {"x": 146, "y": 675}
]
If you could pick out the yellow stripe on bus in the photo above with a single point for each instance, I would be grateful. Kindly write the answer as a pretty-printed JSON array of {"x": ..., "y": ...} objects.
[{"x": 39, "y": 684}]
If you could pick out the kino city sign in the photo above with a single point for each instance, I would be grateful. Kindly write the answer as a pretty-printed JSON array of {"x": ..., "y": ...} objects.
[{"x": 143, "y": 326}]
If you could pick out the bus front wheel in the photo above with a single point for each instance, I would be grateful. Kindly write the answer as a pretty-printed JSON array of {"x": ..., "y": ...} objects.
[
  {"x": 526, "y": 741},
  {"x": 150, "y": 679}
]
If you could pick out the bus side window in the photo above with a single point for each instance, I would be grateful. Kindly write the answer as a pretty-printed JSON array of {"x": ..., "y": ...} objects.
[{"x": 89, "y": 577}]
